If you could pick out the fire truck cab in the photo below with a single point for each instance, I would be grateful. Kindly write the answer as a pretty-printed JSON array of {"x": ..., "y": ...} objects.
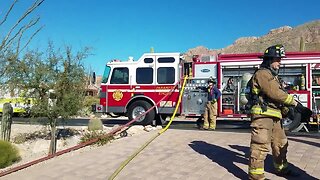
[{"x": 132, "y": 87}]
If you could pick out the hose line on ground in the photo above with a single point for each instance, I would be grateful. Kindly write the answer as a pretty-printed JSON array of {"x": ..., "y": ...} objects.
[{"x": 124, "y": 163}]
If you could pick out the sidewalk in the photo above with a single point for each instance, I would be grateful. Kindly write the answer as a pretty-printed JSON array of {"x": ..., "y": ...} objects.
[{"x": 176, "y": 154}]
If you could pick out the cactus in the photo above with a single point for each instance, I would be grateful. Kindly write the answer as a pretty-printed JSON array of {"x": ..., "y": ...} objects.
[
  {"x": 95, "y": 124},
  {"x": 7, "y": 113},
  {"x": 302, "y": 44}
]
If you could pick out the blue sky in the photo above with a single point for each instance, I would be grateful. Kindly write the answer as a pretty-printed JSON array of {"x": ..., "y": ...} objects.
[{"x": 117, "y": 29}]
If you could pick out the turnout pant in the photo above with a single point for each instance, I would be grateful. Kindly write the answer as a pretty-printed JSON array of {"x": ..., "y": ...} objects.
[
  {"x": 267, "y": 132},
  {"x": 210, "y": 115}
]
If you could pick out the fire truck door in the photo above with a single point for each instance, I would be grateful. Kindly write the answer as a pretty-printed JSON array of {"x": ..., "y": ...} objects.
[
  {"x": 166, "y": 76},
  {"x": 118, "y": 92}
]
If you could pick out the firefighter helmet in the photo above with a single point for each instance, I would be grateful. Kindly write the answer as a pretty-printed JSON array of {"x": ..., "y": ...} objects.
[
  {"x": 276, "y": 51},
  {"x": 211, "y": 80}
]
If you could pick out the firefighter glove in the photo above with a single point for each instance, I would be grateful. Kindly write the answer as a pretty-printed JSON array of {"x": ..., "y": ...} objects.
[
  {"x": 299, "y": 108},
  {"x": 213, "y": 101},
  {"x": 303, "y": 110},
  {"x": 284, "y": 111}
]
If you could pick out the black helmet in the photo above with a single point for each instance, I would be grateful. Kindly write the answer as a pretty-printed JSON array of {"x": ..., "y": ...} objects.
[
  {"x": 276, "y": 51},
  {"x": 211, "y": 80}
]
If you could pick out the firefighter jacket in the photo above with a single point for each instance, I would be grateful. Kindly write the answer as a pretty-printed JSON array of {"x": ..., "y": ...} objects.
[{"x": 271, "y": 96}]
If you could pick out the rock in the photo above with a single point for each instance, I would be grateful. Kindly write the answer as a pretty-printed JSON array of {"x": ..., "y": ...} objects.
[
  {"x": 244, "y": 40},
  {"x": 149, "y": 128},
  {"x": 137, "y": 129},
  {"x": 280, "y": 30}
]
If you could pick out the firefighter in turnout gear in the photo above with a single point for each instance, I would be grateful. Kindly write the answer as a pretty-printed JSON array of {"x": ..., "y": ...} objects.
[
  {"x": 266, "y": 116},
  {"x": 211, "y": 110}
]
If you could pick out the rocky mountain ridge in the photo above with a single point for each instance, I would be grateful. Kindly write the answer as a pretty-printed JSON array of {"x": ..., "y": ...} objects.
[{"x": 290, "y": 37}]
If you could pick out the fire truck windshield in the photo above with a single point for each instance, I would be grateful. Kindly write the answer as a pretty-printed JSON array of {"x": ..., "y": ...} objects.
[{"x": 106, "y": 74}]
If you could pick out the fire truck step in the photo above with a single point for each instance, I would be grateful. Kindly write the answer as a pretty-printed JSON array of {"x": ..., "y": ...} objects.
[{"x": 300, "y": 127}]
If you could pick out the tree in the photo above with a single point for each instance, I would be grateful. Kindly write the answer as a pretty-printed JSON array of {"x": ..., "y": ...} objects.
[
  {"x": 56, "y": 80},
  {"x": 17, "y": 35}
]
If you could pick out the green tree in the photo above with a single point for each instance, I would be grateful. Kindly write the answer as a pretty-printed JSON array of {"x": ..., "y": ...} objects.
[
  {"x": 56, "y": 80},
  {"x": 18, "y": 28}
]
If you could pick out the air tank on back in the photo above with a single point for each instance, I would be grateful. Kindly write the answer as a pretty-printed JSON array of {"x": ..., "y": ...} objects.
[{"x": 244, "y": 81}]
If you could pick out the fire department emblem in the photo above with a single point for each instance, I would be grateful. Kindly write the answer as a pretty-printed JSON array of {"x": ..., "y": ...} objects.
[{"x": 117, "y": 95}]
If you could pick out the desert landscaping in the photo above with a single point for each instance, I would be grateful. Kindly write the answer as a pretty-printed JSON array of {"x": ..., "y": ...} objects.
[{"x": 31, "y": 149}]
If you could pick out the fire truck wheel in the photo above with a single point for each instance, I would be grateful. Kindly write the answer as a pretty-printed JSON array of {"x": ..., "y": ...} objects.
[
  {"x": 139, "y": 107},
  {"x": 161, "y": 119}
]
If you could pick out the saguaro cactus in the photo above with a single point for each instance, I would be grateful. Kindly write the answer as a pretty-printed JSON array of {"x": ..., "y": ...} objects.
[
  {"x": 7, "y": 113},
  {"x": 302, "y": 44}
]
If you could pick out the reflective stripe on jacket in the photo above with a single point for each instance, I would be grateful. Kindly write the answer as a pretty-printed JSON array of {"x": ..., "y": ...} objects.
[
  {"x": 268, "y": 87},
  {"x": 269, "y": 112}
]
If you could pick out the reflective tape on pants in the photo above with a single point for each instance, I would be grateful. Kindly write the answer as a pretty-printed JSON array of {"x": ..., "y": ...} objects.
[{"x": 256, "y": 171}]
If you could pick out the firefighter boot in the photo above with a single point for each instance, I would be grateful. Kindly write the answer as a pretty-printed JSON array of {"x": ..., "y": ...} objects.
[
  {"x": 199, "y": 123},
  {"x": 287, "y": 172},
  {"x": 212, "y": 126},
  {"x": 279, "y": 147},
  {"x": 204, "y": 127},
  {"x": 205, "y": 124}
]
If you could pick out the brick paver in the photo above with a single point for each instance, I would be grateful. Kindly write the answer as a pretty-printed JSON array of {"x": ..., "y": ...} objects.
[{"x": 176, "y": 154}]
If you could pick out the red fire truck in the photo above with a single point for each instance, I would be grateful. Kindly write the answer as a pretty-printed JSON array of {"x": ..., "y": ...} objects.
[{"x": 131, "y": 87}]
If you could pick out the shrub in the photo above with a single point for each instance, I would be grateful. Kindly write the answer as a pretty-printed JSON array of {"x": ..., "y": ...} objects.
[
  {"x": 8, "y": 154},
  {"x": 20, "y": 138},
  {"x": 102, "y": 137},
  {"x": 44, "y": 134},
  {"x": 95, "y": 124},
  {"x": 87, "y": 105},
  {"x": 89, "y": 100}
]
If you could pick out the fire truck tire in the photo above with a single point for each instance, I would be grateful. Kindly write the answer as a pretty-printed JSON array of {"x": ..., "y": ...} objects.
[
  {"x": 139, "y": 107},
  {"x": 161, "y": 119},
  {"x": 292, "y": 121}
]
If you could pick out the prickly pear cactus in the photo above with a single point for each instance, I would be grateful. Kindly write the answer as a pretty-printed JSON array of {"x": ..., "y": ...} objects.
[{"x": 7, "y": 113}]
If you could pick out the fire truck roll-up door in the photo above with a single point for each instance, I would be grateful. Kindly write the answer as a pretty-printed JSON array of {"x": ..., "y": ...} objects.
[
  {"x": 233, "y": 88},
  {"x": 295, "y": 71}
]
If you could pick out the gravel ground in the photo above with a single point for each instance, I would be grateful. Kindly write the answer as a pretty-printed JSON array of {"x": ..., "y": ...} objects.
[{"x": 34, "y": 149}]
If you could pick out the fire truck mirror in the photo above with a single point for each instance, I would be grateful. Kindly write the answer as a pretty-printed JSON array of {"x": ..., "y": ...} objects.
[
  {"x": 93, "y": 108},
  {"x": 187, "y": 68}
]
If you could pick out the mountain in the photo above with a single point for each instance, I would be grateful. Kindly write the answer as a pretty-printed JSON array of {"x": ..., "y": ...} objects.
[{"x": 309, "y": 33}]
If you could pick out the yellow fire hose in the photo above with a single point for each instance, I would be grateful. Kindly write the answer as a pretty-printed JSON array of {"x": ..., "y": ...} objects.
[{"x": 124, "y": 163}]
